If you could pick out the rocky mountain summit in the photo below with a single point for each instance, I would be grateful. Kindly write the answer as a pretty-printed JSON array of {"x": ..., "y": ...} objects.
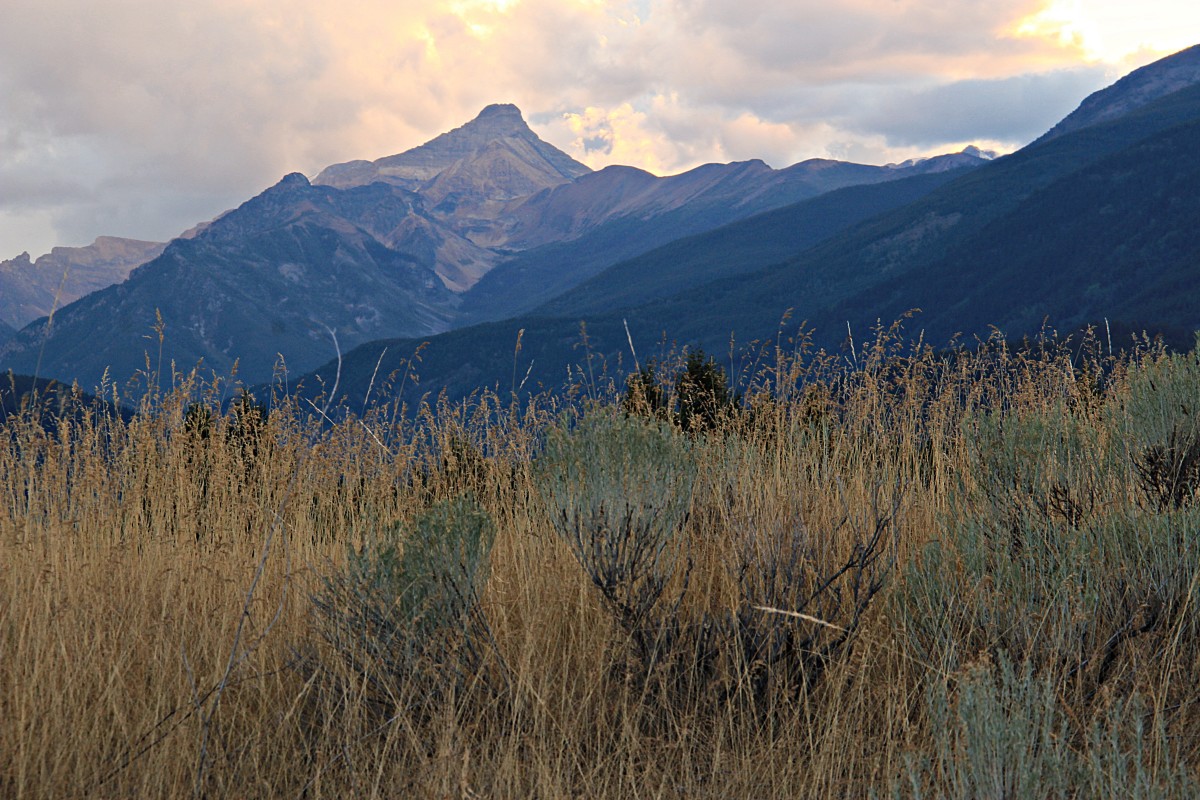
[
  {"x": 466, "y": 179},
  {"x": 969, "y": 156}
]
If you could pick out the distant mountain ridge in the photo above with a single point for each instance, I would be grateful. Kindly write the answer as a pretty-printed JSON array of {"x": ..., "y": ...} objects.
[
  {"x": 293, "y": 273},
  {"x": 570, "y": 233},
  {"x": 930, "y": 254},
  {"x": 29, "y": 289},
  {"x": 739, "y": 248}
]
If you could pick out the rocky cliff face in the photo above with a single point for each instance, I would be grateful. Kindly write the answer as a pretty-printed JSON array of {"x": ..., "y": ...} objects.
[{"x": 30, "y": 289}]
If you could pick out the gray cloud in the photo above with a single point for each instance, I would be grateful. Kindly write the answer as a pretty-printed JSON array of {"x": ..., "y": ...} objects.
[
  {"x": 1016, "y": 109},
  {"x": 139, "y": 119}
]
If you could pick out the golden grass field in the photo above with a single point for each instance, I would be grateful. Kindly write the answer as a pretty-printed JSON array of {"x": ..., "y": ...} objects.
[{"x": 1027, "y": 627}]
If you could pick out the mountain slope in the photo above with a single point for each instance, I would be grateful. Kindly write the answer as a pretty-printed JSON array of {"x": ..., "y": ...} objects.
[
  {"x": 484, "y": 356},
  {"x": 51, "y": 402},
  {"x": 1118, "y": 239},
  {"x": 1136, "y": 89},
  {"x": 905, "y": 247}
]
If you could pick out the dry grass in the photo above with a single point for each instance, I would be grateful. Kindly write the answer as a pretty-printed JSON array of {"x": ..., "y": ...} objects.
[{"x": 158, "y": 636}]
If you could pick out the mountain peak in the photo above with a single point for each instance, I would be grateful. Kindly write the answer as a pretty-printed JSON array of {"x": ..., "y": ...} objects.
[
  {"x": 496, "y": 121},
  {"x": 972, "y": 150},
  {"x": 414, "y": 168},
  {"x": 292, "y": 179},
  {"x": 501, "y": 110}
]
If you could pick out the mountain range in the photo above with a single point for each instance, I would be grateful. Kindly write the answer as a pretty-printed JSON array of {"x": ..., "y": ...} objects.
[
  {"x": 487, "y": 235},
  {"x": 1094, "y": 225},
  {"x": 402, "y": 247}
]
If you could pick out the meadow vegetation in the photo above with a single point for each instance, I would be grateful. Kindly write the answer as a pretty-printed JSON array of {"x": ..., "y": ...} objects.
[{"x": 890, "y": 572}]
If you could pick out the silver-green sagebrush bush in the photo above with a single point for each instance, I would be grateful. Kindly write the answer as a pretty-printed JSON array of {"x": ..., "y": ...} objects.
[
  {"x": 1131, "y": 755},
  {"x": 999, "y": 733},
  {"x": 618, "y": 490},
  {"x": 1160, "y": 422},
  {"x": 1164, "y": 393},
  {"x": 1000, "y": 730},
  {"x": 1016, "y": 554},
  {"x": 404, "y": 614},
  {"x": 1044, "y": 557},
  {"x": 1062, "y": 571}
]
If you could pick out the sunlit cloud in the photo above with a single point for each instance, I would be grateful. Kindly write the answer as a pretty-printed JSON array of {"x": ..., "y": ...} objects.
[
  {"x": 1121, "y": 34},
  {"x": 1063, "y": 22}
]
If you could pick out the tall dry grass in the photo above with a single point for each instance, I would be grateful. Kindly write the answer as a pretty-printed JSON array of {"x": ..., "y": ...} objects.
[{"x": 1026, "y": 628}]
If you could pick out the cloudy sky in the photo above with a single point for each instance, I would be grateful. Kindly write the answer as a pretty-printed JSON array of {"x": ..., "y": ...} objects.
[{"x": 140, "y": 118}]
